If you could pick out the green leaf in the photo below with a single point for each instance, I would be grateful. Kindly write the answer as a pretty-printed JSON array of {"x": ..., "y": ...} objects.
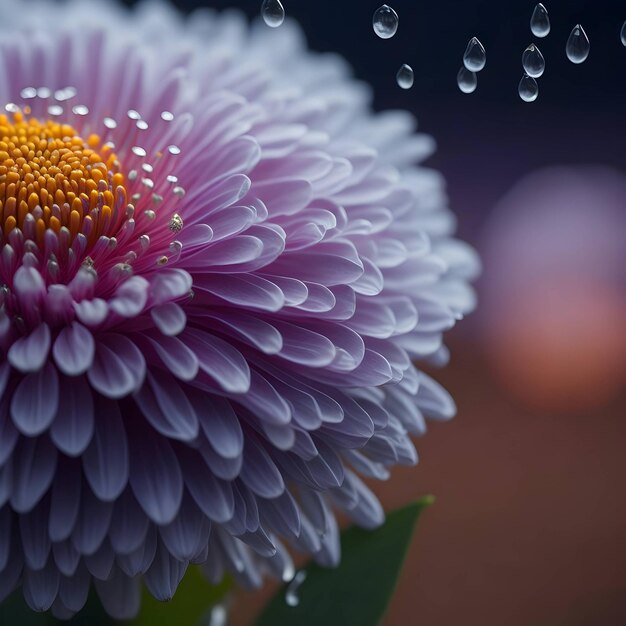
[
  {"x": 357, "y": 592},
  {"x": 193, "y": 599}
]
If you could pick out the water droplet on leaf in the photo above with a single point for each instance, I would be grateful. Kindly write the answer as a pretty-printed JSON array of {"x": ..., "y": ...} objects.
[
  {"x": 577, "y": 48},
  {"x": 475, "y": 56},
  {"x": 385, "y": 22},
  {"x": 533, "y": 61},
  {"x": 405, "y": 77},
  {"x": 540, "y": 21},
  {"x": 528, "y": 88},
  {"x": 466, "y": 80},
  {"x": 273, "y": 13},
  {"x": 292, "y": 597}
]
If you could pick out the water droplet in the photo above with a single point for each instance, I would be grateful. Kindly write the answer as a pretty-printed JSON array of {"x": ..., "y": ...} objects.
[
  {"x": 273, "y": 13},
  {"x": 292, "y": 597},
  {"x": 475, "y": 56},
  {"x": 385, "y": 22},
  {"x": 533, "y": 61},
  {"x": 540, "y": 21},
  {"x": 466, "y": 80},
  {"x": 218, "y": 616},
  {"x": 577, "y": 48},
  {"x": 65, "y": 94},
  {"x": 405, "y": 77},
  {"x": 528, "y": 88},
  {"x": 289, "y": 571},
  {"x": 622, "y": 34},
  {"x": 28, "y": 92}
]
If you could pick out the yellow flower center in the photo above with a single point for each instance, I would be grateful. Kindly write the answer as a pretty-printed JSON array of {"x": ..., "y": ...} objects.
[{"x": 48, "y": 172}]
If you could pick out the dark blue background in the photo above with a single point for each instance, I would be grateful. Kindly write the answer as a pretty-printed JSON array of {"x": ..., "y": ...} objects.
[{"x": 489, "y": 139}]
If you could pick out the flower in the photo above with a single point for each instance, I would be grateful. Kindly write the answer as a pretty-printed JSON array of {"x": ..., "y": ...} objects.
[{"x": 218, "y": 268}]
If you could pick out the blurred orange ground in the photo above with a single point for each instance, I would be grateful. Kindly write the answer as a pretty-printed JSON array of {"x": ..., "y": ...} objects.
[{"x": 528, "y": 527}]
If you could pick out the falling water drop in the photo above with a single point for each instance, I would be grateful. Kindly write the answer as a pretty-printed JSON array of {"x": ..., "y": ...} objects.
[
  {"x": 622, "y": 34},
  {"x": 533, "y": 61},
  {"x": 466, "y": 80},
  {"x": 218, "y": 616},
  {"x": 540, "y": 21},
  {"x": 292, "y": 597},
  {"x": 273, "y": 13},
  {"x": 475, "y": 56},
  {"x": 577, "y": 48},
  {"x": 405, "y": 77},
  {"x": 528, "y": 88},
  {"x": 289, "y": 571},
  {"x": 385, "y": 22}
]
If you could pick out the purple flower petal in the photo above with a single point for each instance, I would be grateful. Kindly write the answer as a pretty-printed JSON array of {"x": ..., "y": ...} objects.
[
  {"x": 74, "y": 349},
  {"x": 118, "y": 367},
  {"x": 35, "y": 401},
  {"x": 164, "y": 575},
  {"x": 167, "y": 407},
  {"x": 106, "y": 460},
  {"x": 92, "y": 525},
  {"x": 34, "y": 467},
  {"x": 41, "y": 587},
  {"x": 64, "y": 500},
  {"x": 129, "y": 524},
  {"x": 34, "y": 536},
  {"x": 120, "y": 595},
  {"x": 73, "y": 426},
  {"x": 29, "y": 353},
  {"x": 155, "y": 476},
  {"x": 223, "y": 363},
  {"x": 169, "y": 318}
]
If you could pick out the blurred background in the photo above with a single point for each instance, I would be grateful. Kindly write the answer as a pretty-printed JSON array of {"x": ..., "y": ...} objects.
[{"x": 528, "y": 524}]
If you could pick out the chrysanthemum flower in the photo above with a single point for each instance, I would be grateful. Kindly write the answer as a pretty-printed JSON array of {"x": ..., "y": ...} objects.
[{"x": 217, "y": 270}]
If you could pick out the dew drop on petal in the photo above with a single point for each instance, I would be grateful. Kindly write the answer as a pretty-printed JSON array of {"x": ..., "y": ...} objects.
[
  {"x": 540, "y": 21},
  {"x": 385, "y": 22},
  {"x": 528, "y": 88},
  {"x": 577, "y": 48},
  {"x": 405, "y": 77},
  {"x": 273, "y": 13},
  {"x": 533, "y": 62},
  {"x": 292, "y": 594},
  {"x": 28, "y": 92},
  {"x": 466, "y": 80},
  {"x": 622, "y": 34},
  {"x": 475, "y": 56}
]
